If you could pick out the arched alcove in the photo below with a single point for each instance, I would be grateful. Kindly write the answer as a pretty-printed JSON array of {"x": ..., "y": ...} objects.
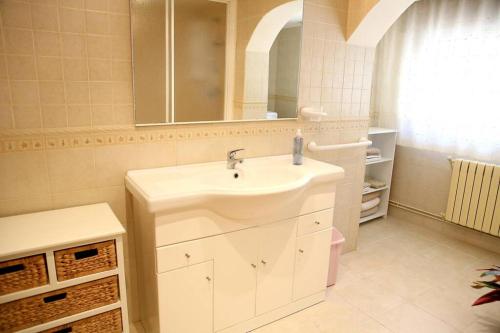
[
  {"x": 256, "y": 75},
  {"x": 368, "y": 20}
]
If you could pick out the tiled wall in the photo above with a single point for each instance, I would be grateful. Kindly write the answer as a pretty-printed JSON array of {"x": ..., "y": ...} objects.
[
  {"x": 64, "y": 64},
  {"x": 333, "y": 74},
  {"x": 67, "y": 137}
]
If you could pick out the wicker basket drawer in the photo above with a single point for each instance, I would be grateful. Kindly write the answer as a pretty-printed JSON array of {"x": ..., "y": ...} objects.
[
  {"x": 107, "y": 322},
  {"x": 85, "y": 260},
  {"x": 56, "y": 304},
  {"x": 23, "y": 273}
]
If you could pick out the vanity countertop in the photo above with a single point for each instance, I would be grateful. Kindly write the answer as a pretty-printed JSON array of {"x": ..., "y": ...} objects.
[
  {"x": 28, "y": 233},
  {"x": 213, "y": 184}
]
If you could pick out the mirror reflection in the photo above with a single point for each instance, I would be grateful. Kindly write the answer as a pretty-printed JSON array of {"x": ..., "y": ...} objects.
[{"x": 215, "y": 60}]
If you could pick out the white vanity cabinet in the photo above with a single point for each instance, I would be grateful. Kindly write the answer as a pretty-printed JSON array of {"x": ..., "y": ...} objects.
[
  {"x": 201, "y": 270},
  {"x": 185, "y": 297},
  {"x": 311, "y": 263}
]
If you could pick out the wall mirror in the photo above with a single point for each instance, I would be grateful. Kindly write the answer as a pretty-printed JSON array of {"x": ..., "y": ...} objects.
[{"x": 215, "y": 60}]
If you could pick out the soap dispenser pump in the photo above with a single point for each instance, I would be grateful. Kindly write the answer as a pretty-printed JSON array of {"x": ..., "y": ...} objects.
[{"x": 298, "y": 148}]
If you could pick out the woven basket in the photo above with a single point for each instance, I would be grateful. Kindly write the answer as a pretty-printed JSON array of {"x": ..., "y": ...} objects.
[
  {"x": 57, "y": 304},
  {"x": 107, "y": 322},
  {"x": 85, "y": 260},
  {"x": 23, "y": 273}
]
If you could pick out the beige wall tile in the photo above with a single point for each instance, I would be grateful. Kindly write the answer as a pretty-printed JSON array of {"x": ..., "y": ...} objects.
[
  {"x": 49, "y": 68},
  {"x": 99, "y": 70},
  {"x": 6, "y": 120},
  {"x": 23, "y": 175},
  {"x": 72, "y": 20},
  {"x": 97, "y": 23},
  {"x": 54, "y": 116},
  {"x": 119, "y": 24},
  {"x": 71, "y": 169},
  {"x": 113, "y": 162},
  {"x": 73, "y": 45},
  {"x": 27, "y": 116},
  {"x": 24, "y": 92},
  {"x": 101, "y": 92},
  {"x": 28, "y": 204},
  {"x": 21, "y": 67},
  {"x": 101, "y": 5},
  {"x": 102, "y": 115},
  {"x": 18, "y": 41},
  {"x": 119, "y": 6},
  {"x": 15, "y": 14},
  {"x": 47, "y": 43},
  {"x": 76, "y": 69},
  {"x": 121, "y": 71},
  {"x": 123, "y": 114},
  {"x": 120, "y": 48},
  {"x": 72, "y": 3},
  {"x": 77, "y": 92},
  {"x": 99, "y": 46},
  {"x": 4, "y": 92},
  {"x": 79, "y": 115},
  {"x": 45, "y": 17},
  {"x": 52, "y": 92}
]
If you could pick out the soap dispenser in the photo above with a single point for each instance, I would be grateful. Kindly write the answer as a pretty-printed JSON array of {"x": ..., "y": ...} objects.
[{"x": 298, "y": 148}]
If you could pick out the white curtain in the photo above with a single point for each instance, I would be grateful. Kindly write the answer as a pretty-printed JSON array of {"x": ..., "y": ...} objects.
[{"x": 437, "y": 78}]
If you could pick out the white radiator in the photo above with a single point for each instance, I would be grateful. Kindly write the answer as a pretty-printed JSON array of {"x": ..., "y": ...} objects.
[{"x": 474, "y": 198}]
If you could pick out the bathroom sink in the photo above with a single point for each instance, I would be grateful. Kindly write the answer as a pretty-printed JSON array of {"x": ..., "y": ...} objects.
[{"x": 251, "y": 190}]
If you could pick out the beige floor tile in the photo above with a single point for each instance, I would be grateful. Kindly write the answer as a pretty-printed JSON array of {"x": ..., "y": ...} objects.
[{"x": 409, "y": 318}]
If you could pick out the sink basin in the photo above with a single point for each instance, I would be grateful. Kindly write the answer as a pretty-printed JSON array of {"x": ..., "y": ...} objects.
[{"x": 251, "y": 190}]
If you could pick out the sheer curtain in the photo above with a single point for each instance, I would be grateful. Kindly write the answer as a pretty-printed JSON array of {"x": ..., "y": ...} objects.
[{"x": 437, "y": 78}]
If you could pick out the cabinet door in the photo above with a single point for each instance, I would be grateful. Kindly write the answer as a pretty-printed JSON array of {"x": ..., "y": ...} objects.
[
  {"x": 235, "y": 272},
  {"x": 276, "y": 262},
  {"x": 186, "y": 299},
  {"x": 311, "y": 263}
]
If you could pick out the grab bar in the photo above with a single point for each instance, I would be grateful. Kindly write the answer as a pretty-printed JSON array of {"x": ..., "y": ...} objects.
[{"x": 363, "y": 142}]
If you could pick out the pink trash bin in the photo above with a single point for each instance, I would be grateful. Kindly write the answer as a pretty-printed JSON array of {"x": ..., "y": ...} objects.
[{"x": 335, "y": 251}]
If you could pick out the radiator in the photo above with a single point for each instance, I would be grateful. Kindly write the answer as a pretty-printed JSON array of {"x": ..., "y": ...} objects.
[{"x": 474, "y": 198}]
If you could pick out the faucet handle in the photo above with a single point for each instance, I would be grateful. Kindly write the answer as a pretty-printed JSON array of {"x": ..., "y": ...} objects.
[{"x": 232, "y": 153}]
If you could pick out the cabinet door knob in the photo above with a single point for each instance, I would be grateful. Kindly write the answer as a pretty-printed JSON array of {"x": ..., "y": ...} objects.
[
  {"x": 187, "y": 255},
  {"x": 301, "y": 251},
  {"x": 254, "y": 266},
  {"x": 208, "y": 278},
  {"x": 317, "y": 222},
  {"x": 263, "y": 261}
]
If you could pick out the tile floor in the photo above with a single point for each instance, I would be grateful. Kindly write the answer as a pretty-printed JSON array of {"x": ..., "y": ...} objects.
[{"x": 402, "y": 279}]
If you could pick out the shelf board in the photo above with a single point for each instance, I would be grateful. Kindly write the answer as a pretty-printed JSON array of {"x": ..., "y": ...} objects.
[
  {"x": 376, "y": 190},
  {"x": 378, "y": 130},
  {"x": 371, "y": 217},
  {"x": 379, "y": 160}
]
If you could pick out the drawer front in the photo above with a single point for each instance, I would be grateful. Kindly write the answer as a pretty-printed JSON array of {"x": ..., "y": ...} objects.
[
  {"x": 184, "y": 254},
  {"x": 109, "y": 322},
  {"x": 85, "y": 260},
  {"x": 57, "y": 304},
  {"x": 315, "y": 222},
  {"x": 23, "y": 273}
]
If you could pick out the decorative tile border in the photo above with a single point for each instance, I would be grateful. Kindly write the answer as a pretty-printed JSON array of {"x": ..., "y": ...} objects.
[{"x": 67, "y": 139}]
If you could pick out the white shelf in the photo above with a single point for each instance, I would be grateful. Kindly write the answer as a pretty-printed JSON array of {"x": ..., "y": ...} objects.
[
  {"x": 378, "y": 130},
  {"x": 373, "y": 190},
  {"x": 381, "y": 169},
  {"x": 378, "y": 214},
  {"x": 379, "y": 160}
]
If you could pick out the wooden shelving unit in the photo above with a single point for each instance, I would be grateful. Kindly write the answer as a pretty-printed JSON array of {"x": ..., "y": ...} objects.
[{"x": 381, "y": 169}]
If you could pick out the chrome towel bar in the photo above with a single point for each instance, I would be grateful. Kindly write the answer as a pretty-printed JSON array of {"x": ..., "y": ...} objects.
[{"x": 363, "y": 142}]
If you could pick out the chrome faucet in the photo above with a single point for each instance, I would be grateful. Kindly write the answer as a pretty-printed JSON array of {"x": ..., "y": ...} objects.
[{"x": 232, "y": 160}]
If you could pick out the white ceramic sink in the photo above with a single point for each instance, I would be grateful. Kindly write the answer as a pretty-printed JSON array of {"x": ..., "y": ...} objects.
[{"x": 252, "y": 190}]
